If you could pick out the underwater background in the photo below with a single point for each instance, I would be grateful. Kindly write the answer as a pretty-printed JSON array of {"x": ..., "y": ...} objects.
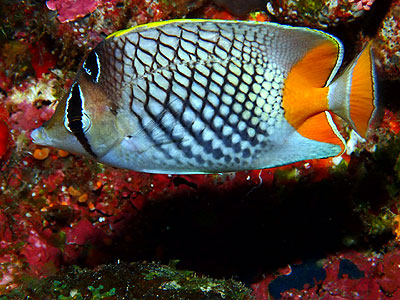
[{"x": 71, "y": 228}]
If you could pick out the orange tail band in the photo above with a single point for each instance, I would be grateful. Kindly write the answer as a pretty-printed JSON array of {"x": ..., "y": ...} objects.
[{"x": 352, "y": 96}]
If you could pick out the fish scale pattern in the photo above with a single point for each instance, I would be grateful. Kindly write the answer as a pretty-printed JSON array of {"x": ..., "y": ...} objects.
[{"x": 203, "y": 94}]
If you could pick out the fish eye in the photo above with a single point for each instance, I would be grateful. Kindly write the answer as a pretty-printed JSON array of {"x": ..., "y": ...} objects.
[
  {"x": 82, "y": 124},
  {"x": 86, "y": 122}
]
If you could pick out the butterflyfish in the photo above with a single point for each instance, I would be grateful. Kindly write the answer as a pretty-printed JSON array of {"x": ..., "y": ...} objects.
[{"x": 210, "y": 96}]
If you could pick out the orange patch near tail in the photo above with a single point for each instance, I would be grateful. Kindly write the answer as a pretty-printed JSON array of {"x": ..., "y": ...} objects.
[
  {"x": 304, "y": 94},
  {"x": 362, "y": 93},
  {"x": 322, "y": 128}
]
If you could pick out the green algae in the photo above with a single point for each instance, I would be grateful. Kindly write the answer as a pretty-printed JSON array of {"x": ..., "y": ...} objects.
[
  {"x": 130, "y": 281},
  {"x": 97, "y": 293}
]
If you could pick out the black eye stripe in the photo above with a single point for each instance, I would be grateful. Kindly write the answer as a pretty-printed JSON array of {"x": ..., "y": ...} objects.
[
  {"x": 85, "y": 143},
  {"x": 74, "y": 109},
  {"x": 92, "y": 66},
  {"x": 74, "y": 114}
]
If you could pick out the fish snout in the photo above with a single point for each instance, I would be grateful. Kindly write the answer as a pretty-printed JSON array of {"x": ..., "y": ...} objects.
[{"x": 39, "y": 136}]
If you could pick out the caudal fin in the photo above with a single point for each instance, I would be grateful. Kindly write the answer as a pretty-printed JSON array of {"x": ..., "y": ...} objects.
[{"x": 352, "y": 96}]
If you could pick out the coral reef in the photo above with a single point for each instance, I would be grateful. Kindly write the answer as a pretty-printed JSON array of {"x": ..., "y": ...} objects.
[
  {"x": 85, "y": 24},
  {"x": 348, "y": 275},
  {"x": 387, "y": 44},
  {"x": 71, "y": 10},
  {"x": 151, "y": 281},
  {"x": 317, "y": 14},
  {"x": 241, "y": 7}
]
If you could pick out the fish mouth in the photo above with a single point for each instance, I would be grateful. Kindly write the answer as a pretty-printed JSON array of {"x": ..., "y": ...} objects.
[{"x": 39, "y": 136}]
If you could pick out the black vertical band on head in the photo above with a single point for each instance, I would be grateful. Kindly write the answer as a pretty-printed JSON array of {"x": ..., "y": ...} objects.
[
  {"x": 74, "y": 114},
  {"x": 92, "y": 66},
  {"x": 85, "y": 143}
]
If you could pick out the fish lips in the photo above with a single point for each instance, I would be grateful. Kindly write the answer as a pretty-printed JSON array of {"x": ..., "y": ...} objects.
[{"x": 40, "y": 137}]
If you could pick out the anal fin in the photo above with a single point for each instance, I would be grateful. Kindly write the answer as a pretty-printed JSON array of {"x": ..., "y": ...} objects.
[{"x": 322, "y": 128}]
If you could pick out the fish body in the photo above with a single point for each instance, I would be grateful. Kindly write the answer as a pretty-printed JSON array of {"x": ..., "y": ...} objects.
[{"x": 209, "y": 96}]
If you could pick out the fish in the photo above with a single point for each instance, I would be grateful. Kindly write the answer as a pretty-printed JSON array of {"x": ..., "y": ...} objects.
[{"x": 209, "y": 96}]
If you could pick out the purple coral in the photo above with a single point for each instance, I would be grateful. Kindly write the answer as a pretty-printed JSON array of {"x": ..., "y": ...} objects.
[{"x": 70, "y": 10}]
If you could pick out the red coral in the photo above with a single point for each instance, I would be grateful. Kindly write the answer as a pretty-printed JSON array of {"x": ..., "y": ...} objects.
[
  {"x": 54, "y": 181},
  {"x": 42, "y": 60},
  {"x": 5, "y": 232},
  {"x": 83, "y": 236},
  {"x": 211, "y": 12},
  {"x": 27, "y": 117},
  {"x": 82, "y": 233},
  {"x": 42, "y": 257},
  {"x": 390, "y": 282},
  {"x": 391, "y": 122},
  {"x": 260, "y": 289},
  {"x": 378, "y": 278},
  {"x": 4, "y": 132},
  {"x": 70, "y": 10}
]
